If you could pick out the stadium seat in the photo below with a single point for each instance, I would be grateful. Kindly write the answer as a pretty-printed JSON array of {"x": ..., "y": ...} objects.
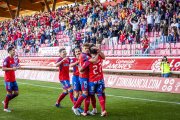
[
  {"x": 119, "y": 52},
  {"x": 161, "y": 46},
  {"x": 138, "y": 46},
  {"x": 157, "y": 52},
  {"x": 174, "y": 52},
  {"x": 128, "y": 46},
  {"x": 124, "y": 47},
  {"x": 151, "y": 52},
  {"x": 172, "y": 45},
  {"x": 133, "y": 52},
  {"x": 177, "y": 45},
  {"x": 115, "y": 47},
  {"x": 133, "y": 46},
  {"x": 167, "y": 45},
  {"x": 167, "y": 52},
  {"x": 119, "y": 47}
]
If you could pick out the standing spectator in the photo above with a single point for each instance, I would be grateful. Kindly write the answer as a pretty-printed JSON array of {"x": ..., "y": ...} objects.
[
  {"x": 157, "y": 18},
  {"x": 165, "y": 67},
  {"x": 135, "y": 24},
  {"x": 145, "y": 45},
  {"x": 142, "y": 27},
  {"x": 150, "y": 21},
  {"x": 122, "y": 38},
  {"x": 130, "y": 38},
  {"x": 164, "y": 32}
]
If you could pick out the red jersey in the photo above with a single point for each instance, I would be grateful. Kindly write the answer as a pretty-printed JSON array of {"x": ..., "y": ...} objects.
[
  {"x": 84, "y": 62},
  {"x": 75, "y": 68},
  {"x": 95, "y": 71},
  {"x": 64, "y": 69},
  {"x": 10, "y": 74}
]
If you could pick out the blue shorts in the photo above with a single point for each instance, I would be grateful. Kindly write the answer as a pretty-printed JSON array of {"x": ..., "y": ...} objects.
[
  {"x": 76, "y": 83},
  {"x": 11, "y": 86},
  {"x": 66, "y": 84},
  {"x": 96, "y": 87},
  {"x": 84, "y": 83}
]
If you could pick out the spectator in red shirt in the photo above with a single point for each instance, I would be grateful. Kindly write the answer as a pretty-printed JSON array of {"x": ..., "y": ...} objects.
[
  {"x": 122, "y": 38},
  {"x": 145, "y": 45}
]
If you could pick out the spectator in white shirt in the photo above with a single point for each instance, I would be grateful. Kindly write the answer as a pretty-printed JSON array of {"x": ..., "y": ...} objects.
[
  {"x": 157, "y": 18},
  {"x": 150, "y": 21},
  {"x": 135, "y": 25}
]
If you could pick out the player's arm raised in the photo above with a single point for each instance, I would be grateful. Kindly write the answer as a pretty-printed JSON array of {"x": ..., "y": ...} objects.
[
  {"x": 95, "y": 59},
  {"x": 8, "y": 69},
  {"x": 100, "y": 52},
  {"x": 74, "y": 64},
  {"x": 58, "y": 63}
]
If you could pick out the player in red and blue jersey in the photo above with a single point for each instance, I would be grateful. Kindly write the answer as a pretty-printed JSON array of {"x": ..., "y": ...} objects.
[
  {"x": 96, "y": 79},
  {"x": 75, "y": 78},
  {"x": 63, "y": 64},
  {"x": 10, "y": 66},
  {"x": 95, "y": 74},
  {"x": 83, "y": 76}
]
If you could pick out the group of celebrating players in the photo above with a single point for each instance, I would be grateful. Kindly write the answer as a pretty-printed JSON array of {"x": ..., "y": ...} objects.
[{"x": 87, "y": 78}]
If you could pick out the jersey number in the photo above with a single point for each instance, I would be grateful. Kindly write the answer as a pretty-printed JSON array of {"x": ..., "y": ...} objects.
[{"x": 97, "y": 69}]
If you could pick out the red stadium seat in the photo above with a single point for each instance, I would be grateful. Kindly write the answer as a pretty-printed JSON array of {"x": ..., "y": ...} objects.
[
  {"x": 174, "y": 52},
  {"x": 177, "y": 45},
  {"x": 161, "y": 46},
  {"x": 152, "y": 52},
  {"x": 119, "y": 47},
  {"x": 133, "y": 46},
  {"x": 167, "y": 45},
  {"x": 124, "y": 47},
  {"x": 157, "y": 52},
  {"x": 128, "y": 46},
  {"x": 138, "y": 46},
  {"x": 172, "y": 45},
  {"x": 162, "y": 52}
]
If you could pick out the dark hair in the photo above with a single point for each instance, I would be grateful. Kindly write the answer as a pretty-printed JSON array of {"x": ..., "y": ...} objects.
[
  {"x": 75, "y": 49},
  {"x": 62, "y": 49},
  {"x": 164, "y": 59},
  {"x": 10, "y": 48},
  {"x": 92, "y": 51}
]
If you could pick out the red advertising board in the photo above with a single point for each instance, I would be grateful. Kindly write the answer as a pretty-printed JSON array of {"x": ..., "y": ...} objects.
[
  {"x": 171, "y": 85},
  {"x": 112, "y": 63},
  {"x": 143, "y": 83}
]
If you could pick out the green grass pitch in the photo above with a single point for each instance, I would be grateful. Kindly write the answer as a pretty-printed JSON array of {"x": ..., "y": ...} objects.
[{"x": 36, "y": 102}]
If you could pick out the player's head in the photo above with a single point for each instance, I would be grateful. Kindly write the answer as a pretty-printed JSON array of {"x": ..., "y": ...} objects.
[
  {"x": 62, "y": 52},
  {"x": 93, "y": 50},
  {"x": 85, "y": 48},
  {"x": 11, "y": 50},
  {"x": 76, "y": 52}
]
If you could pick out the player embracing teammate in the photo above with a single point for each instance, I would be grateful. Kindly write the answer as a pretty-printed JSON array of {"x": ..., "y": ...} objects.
[{"x": 91, "y": 80}]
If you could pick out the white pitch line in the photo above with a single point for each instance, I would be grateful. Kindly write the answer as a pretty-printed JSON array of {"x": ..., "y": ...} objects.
[{"x": 124, "y": 97}]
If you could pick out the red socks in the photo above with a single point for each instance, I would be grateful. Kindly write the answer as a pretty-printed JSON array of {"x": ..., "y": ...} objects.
[
  {"x": 61, "y": 97},
  {"x": 93, "y": 101},
  {"x": 102, "y": 103},
  {"x": 80, "y": 100},
  {"x": 86, "y": 104}
]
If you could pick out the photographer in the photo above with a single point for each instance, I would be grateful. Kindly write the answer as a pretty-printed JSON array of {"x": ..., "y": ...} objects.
[{"x": 165, "y": 67}]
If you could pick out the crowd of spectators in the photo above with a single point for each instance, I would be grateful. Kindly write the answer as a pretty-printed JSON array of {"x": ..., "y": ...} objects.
[{"x": 109, "y": 23}]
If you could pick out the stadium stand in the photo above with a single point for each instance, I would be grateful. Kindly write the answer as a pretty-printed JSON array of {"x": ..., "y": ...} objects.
[{"x": 122, "y": 27}]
